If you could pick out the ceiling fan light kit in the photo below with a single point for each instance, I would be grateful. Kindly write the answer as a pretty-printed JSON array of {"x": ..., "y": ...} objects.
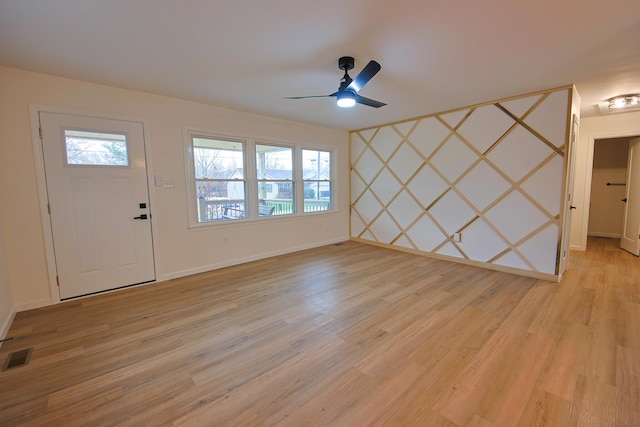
[
  {"x": 346, "y": 99},
  {"x": 347, "y": 94}
]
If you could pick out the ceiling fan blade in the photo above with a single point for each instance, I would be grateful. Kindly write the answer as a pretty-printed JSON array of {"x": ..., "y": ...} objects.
[
  {"x": 312, "y": 96},
  {"x": 365, "y": 75},
  {"x": 370, "y": 102}
]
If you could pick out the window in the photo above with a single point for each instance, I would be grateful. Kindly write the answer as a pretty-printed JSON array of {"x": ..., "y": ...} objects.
[
  {"x": 274, "y": 165},
  {"x": 232, "y": 180},
  {"x": 317, "y": 176},
  {"x": 85, "y": 148},
  {"x": 220, "y": 182}
]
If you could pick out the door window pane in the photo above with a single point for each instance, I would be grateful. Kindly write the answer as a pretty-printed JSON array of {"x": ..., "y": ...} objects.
[{"x": 95, "y": 148}]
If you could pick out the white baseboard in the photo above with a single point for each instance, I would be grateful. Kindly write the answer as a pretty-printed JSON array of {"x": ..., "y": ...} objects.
[
  {"x": 237, "y": 261},
  {"x": 30, "y": 305},
  {"x": 4, "y": 328},
  {"x": 607, "y": 235},
  {"x": 6, "y": 325},
  {"x": 521, "y": 272}
]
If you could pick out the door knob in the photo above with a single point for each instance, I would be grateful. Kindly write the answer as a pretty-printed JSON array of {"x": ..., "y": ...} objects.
[
  {"x": 143, "y": 216},
  {"x": 572, "y": 207},
  {"x": 624, "y": 200}
]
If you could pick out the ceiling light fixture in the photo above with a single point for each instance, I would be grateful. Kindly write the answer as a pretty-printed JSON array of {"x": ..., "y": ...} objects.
[
  {"x": 624, "y": 101},
  {"x": 346, "y": 99}
]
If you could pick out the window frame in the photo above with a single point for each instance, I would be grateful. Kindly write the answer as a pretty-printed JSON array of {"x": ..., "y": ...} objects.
[
  {"x": 192, "y": 180},
  {"x": 278, "y": 182},
  {"x": 318, "y": 181},
  {"x": 251, "y": 180}
]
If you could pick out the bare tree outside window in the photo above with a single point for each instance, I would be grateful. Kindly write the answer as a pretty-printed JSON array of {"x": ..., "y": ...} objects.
[
  {"x": 206, "y": 161},
  {"x": 95, "y": 149},
  {"x": 219, "y": 178}
]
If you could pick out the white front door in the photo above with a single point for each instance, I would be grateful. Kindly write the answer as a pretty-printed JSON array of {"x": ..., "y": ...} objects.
[
  {"x": 98, "y": 201},
  {"x": 630, "y": 240}
]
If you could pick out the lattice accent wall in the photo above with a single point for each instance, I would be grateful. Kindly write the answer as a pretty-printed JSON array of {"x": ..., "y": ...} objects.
[{"x": 492, "y": 173}]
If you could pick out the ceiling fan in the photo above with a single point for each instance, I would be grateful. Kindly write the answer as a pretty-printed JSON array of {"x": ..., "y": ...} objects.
[{"x": 347, "y": 94}]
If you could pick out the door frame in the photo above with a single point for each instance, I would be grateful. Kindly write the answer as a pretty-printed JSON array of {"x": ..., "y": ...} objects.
[
  {"x": 626, "y": 132},
  {"x": 631, "y": 245},
  {"x": 568, "y": 196},
  {"x": 47, "y": 232}
]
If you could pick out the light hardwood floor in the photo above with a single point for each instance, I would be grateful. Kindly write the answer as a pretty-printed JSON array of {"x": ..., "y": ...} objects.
[{"x": 344, "y": 335}]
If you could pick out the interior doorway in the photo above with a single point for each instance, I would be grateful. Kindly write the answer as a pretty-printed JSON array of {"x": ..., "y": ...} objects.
[{"x": 609, "y": 187}]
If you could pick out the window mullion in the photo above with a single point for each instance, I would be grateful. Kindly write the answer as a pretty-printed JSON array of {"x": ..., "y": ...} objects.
[
  {"x": 298, "y": 177},
  {"x": 251, "y": 177}
]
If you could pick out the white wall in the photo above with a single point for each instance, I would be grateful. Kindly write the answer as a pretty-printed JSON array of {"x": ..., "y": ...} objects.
[
  {"x": 7, "y": 309},
  {"x": 592, "y": 128},
  {"x": 179, "y": 251}
]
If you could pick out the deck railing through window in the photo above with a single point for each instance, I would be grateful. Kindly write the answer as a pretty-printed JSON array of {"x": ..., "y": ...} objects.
[{"x": 222, "y": 208}]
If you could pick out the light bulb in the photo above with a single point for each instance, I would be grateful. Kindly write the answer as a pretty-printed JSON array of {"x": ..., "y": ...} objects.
[
  {"x": 346, "y": 99},
  {"x": 624, "y": 101}
]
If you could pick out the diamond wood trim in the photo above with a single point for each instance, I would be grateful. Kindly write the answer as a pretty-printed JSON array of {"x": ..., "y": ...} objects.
[
  {"x": 530, "y": 129},
  {"x": 406, "y": 133}
]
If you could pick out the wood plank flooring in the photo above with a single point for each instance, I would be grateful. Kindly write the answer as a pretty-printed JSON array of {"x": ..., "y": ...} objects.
[{"x": 344, "y": 335}]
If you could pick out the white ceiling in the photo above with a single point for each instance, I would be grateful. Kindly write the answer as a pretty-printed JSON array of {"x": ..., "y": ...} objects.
[{"x": 250, "y": 54}]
